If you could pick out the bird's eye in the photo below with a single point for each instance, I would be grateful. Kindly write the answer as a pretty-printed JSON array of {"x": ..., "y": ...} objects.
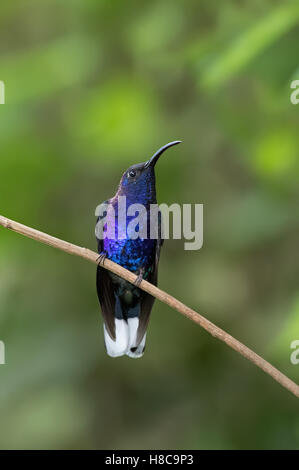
[{"x": 132, "y": 173}]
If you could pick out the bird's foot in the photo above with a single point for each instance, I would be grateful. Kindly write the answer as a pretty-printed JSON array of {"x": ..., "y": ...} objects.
[
  {"x": 139, "y": 278},
  {"x": 102, "y": 257}
]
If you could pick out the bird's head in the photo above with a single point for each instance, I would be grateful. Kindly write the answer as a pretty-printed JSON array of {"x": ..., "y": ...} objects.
[{"x": 138, "y": 181}]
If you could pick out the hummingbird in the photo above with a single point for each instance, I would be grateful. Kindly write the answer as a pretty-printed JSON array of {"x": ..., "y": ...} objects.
[{"x": 125, "y": 307}]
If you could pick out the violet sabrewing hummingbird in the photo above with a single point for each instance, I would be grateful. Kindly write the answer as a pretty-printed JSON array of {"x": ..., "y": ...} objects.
[{"x": 125, "y": 307}]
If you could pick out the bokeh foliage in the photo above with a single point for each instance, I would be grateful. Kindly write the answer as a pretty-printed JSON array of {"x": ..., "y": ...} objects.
[{"x": 93, "y": 86}]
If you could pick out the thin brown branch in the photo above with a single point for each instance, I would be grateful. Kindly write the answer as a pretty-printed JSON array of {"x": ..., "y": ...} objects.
[{"x": 159, "y": 294}]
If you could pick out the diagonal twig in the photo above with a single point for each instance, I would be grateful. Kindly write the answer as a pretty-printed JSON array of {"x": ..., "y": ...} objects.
[{"x": 159, "y": 294}]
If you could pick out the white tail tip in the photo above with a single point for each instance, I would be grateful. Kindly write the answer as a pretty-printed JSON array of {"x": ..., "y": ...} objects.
[{"x": 125, "y": 342}]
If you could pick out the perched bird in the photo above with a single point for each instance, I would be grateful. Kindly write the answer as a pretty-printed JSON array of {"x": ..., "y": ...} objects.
[{"x": 125, "y": 307}]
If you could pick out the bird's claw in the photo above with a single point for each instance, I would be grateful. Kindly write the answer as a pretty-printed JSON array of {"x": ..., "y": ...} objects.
[
  {"x": 139, "y": 279},
  {"x": 102, "y": 257}
]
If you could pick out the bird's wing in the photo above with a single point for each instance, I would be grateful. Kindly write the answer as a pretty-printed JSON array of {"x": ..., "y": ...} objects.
[
  {"x": 107, "y": 299},
  {"x": 105, "y": 287},
  {"x": 148, "y": 300}
]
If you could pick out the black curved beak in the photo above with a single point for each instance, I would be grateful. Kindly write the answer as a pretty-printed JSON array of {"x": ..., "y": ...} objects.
[{"x": 152, "y": 161}]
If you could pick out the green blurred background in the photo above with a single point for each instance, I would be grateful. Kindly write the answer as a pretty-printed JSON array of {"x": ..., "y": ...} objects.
[{"x": 93, "y": 86}]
